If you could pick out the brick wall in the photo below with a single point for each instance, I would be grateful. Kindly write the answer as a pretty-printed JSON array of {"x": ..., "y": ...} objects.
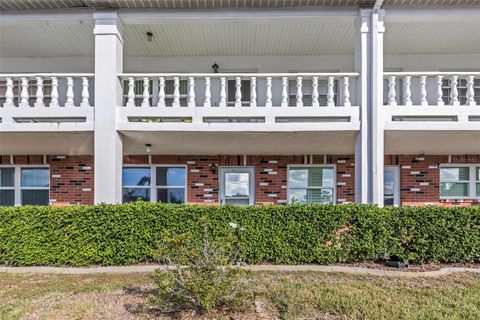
[
  {"x": 71, "y": 177},
  {"x": 420, "y": 178},
  {"x": 270, "y": 175}
]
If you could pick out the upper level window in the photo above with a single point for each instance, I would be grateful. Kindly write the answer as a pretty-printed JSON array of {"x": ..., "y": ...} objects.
[
  {"x": 311, "y": 184},
  {"x": 170, "y": 89},
  {"x": 163, "y": 184},
  {"x": 307, "y": 92},
  {"x": 138, "y": 91},
  {"x": 459, "y": 181},
  {"x": 24, "y": 186},
  {"x": 462, "y": 90},
  {"x": 232, "y": 89}
]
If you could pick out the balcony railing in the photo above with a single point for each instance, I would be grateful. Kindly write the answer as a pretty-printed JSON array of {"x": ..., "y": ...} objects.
[
  {"x": 441, "y": 97},
  {"x": 46, "y": 98},
  {"x": 253, "y": 98}
]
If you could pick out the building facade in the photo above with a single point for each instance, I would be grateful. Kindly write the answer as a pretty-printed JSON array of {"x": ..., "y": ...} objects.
[{"x": 240, "y": 102}]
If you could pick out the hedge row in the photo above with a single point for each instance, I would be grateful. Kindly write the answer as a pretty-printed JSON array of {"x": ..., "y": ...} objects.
[{"x": 128, "y": 234}]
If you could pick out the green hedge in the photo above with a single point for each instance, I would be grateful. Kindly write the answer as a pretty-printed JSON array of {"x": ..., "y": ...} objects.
[{"x": 129, "y": 233}]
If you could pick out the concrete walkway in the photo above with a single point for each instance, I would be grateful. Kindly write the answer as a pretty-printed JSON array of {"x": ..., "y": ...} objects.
[{"x": 295, "y": 268}]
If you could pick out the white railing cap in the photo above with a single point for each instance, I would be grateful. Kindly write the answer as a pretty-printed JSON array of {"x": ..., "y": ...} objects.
[
  {"x": 227, "y": 75},
  {"x": 432, "y": 73},
  {"x": 33, "y": 75}
]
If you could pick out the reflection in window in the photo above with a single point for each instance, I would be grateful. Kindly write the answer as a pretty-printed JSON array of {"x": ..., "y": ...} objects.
[
  {"x": 170, "y": 184},
  {"x": 35, "y": 186},
  {"x": 136, "y": 184},
  {"x": 311, "y": 184}
]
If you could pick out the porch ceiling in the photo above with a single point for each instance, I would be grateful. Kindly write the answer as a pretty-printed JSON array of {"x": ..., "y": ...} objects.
[
  {"x": 432, "y": 142},
  {"x": 197, "y": 4},
  {"x": 53, "y": 143},
  {"x": 241, "y": 143}
]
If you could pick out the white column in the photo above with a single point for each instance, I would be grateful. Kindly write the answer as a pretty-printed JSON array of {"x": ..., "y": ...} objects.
[
  {"x": 268, "y": 102},
  {"x": 9, "y": 94},
  {"x": 223, "y": 92},
  {"x": 208, "y": 93},
  {"x": 369, "y": 146},
  {"x": 191, "y": 92},
  {"x": 70, "y": 95},
  {"x": 39, "y": 94},
  {"x": 85, "y": 95},
  {"x": 108, "y": 95}
]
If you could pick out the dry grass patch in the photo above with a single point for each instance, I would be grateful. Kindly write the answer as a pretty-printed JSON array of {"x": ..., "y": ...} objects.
[{"x": 274, "y": 295}]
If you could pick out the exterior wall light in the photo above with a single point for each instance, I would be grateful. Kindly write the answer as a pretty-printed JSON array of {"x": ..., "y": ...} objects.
[
  {"x": 213, "y": 168},
  {"x": 148, "y": 148},
  {"x": 149, "y": 36},
  {"x": 215, "y": 67}
]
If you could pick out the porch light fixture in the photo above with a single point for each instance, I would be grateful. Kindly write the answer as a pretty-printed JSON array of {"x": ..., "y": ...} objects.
[
  {"x": 149, "y": 36},
  {"x": 148, "y": 148},
  {"x": 419, "y": 158},
  {"x": 213, "y": 168},
  {"x": 215, "y": 67}
]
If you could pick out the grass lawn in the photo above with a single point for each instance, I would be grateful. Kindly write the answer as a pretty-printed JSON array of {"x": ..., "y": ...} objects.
[{"x": 277, "y": 295}]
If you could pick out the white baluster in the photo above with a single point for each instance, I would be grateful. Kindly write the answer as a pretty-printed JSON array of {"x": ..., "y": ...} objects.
[
  {"x": 9, "y": 93},
  {"x": 470, "y": 91},
  {"x": 454, "y": 92},
  {"x": 176, "y": 92},
  {"x": 54, "y": 95},
  {"x": 161, "y": 92},
  {"x": 299, "y": 92},
  {"x": 208, "y": 93},
  {"x": 392, "y": 94},
  {"x": 70, "y": 95},
  {"x": 268, "y": 102},
  {"x": 39, "y": 93},
  {"x": 146, "y": 93},
  {"x": 85, "y": 94},
  {"x": 346, "y": 92},
  {"x": 238, "y": 92},
  {"x": 407, "y": 81},
  {"x": 131, "y": 92},
  {"x": 315, "y": 92},
  {"x": 423, "y": 91},
  {"x": 440, "y": 91},
  {"x": 330, "y": 94},
  {"x": 24, "y": 93},
  {"x": 253, "y": 91},
  {"x": 223, "y": 92},
  {"x": 284, "y": 92},
  {"x": 191, "y": 92}
]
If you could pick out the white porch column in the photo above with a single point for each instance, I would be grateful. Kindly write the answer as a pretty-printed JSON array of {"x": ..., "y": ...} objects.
[
  {"x": 369, "y": 147},
  {"x": 108, "y": 95}
]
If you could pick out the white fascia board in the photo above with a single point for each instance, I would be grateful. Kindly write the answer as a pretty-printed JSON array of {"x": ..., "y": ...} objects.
[
  {"x": 41, "y": 16},
  {"x": 132, "y": 16},
  {"x": 436, "y": 14}
]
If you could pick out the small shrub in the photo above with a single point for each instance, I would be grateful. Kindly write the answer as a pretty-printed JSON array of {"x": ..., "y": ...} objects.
[{"x": 198, "y": 276}]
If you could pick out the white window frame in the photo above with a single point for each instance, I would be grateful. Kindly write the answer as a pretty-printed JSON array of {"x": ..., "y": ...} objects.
[
  {"x": 472, "y": 183},
  {"x": 237, "y": 169},
  {"x": 17, "y": 182},
  {"x": 153, "y": 179},
  {"x": 396, "y": 184},
  {"x": 334, "y": 166}
]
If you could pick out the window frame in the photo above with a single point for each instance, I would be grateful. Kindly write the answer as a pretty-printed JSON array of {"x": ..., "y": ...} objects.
[
  {"x": 472, "y": 183},
  {"x": 223, "y": 170},
  {"x": 17, "y": 181},
  {"x": 334, "y": 187},
  {"x": 153, "y": 179}
]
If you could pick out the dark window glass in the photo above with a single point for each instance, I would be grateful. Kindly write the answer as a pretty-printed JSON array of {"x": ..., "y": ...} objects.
[
  {"x": 7, "y": 177},
  {"x": 173, "y": 176},
  {"x": 134, "y": 194},
  {"x": 7, "y": 197},
  {"x": 172, "y": 195},
  {"x": 35, "y": 197}
]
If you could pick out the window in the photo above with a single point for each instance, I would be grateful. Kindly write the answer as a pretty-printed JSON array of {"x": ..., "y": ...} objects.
[
  {"x": 459, "y": 181},
  {"x": 24, "y": 186},
  {"x": 136, "y": 184},
  {"x": 477, "y": 179},
  {"x": 311, "y": 184},
  {"x": 165, "y": 184},
  {"x": 244, "y": 89},
  {"x": 462, "y": 90},
  {"x": 170, "y": 88},
  {"x": 170, "y": 184},
  {"x": 138, "y": 91},
  {"x": 7, "y": 186},
  {"x": 307, "y": 92}
]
